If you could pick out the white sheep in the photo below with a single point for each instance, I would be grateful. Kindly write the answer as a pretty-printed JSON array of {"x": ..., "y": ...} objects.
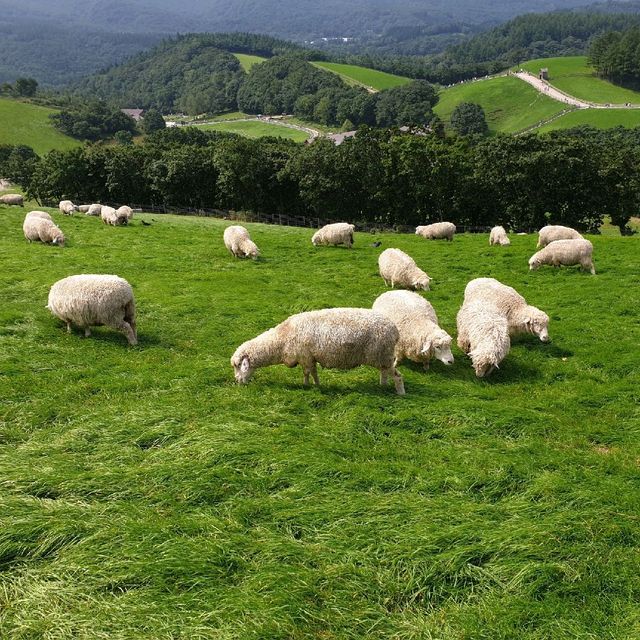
[
  {"x": 125, "y": 213},
  {"x": 94, "y": 210},
  {"x": 398, "y": 268},
  {"x": 521, "y": 317},
  {"x": 437, "y": 231},
  {"x": 421, "y": 339},
  {"x": 84, "y": 208},
  {"x": 335, "y": 234},
  {"x": 110, "y": 216},
  {"x": 67, "y": 207},
  {"x": 40, "y": 229},
  {"x": 39, "y": 214},
  {"x": 88, "y": 300},
  {"x": 499, "y": 236},
  {"x": 12, "y": 199},
  {"x": 483, "y": 334},
  {"x": 341, "y": 338},
  {"x": 565, "y": 252},
  {"x": 236, "y": 239},
  {"x": 556, "y": 232}
]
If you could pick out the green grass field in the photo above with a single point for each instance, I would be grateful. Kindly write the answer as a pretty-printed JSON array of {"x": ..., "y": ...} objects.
[
  {"x": 574, "y": 76},
  {"x": 599, "y": 118},
  {"x": 257, "y": 129},
  {"x": 362, "y": 76},
  {"x": 146, "y": 495},
  {"x": 28, "y": 124},
  {"x": 247, "y": 61},
  {"x": 510, "y": 105}
]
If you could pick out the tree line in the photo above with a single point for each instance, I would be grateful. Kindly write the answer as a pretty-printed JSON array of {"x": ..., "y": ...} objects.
[
  {"x": 383, "y": 177},
  {"x": 616, "y": 56}
]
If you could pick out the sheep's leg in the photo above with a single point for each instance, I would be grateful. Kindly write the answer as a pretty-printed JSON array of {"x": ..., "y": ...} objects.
[
  {"x": 305, "y": 381},
  {"x": 87, "y": 332},
  {"x": 384, "y": 377},
  {"x": 130, "y": 316},
  {"x": 68, "y": 327},
  {"x": 425, "y": 365},
  {"x": 398, "y": 382},
  {"x": 314, "y": 373}
]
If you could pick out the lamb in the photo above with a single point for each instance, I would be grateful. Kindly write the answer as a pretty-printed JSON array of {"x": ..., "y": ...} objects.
[
  {"x": 94, "y": 210},
  {"x": 565, "y": 252},
  {"x": 499, "y": 236},
  {"x": 67, "y": 207},
  {"x": 397, "y": 268},
  {"x": 87, "y": 300},
  {"x": 483, "y": 334},
  {"x": 236, "y": 239},
  {"x": 12, "y": 199},
  {"x": 40, "y": 229},
  {"x": 335, "y": 234},
  {"x": 556, "y": 232},
  {"x": 521, "y": 317},
  {"x": 84, "y": 208},
  {"x": 437, "y": 231},
  {"x": 421, "y": 339},
  {"x": 125, "y": 213},
  {"x": 341, "y": 338},
  {"x": 39, "y": 214}
]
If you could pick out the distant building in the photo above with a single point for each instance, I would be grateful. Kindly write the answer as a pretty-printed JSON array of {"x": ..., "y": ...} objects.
[
  {"x": 136, "y": 114},
  {"x": 544, "y": 74}
]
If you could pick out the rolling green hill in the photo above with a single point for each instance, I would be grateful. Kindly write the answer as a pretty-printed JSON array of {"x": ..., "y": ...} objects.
[
  {"x": 29, "y": 124},
  {"x": 362, "y": 76},
  {"x": 599, "y": 118}
]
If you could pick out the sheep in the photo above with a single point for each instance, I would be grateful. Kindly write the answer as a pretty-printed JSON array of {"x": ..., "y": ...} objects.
[
  {"x": 39, "y": 229},
  {"x": 499, "y": 236},
  {"x": 556, "y": 232},
  {"x": 236, "y": 239},
  {"x": 437, "y": 231},
  {"x": 110, "y": 216},
  {"x": 521, "y": 317},
  {"x": 67, "y": 207},
  {"x": 341, "y": 338},
  {"x": 421, "y": 339},
  {"x": 335, "y": 234},
  {"x": 483, "y": 334},
  {"x": 397, "y": 268},
  {"x": 12, "y": 199},
  {"x": 125, "y": 213},
  {"x": 87, "y": 300},
  {"x": 565, "y": 252},
  {"x": 84, "y": 208},
  {"x": 94, "y": 210},
  {"x": 39, "y": 214}
]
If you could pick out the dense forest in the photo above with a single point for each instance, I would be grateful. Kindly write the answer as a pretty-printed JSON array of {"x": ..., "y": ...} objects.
[
  {"x": 616, "y": 56},
  {"x": 380, "y": 176}
]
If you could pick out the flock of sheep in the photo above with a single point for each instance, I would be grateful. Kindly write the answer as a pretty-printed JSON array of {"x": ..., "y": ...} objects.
[{"x": 400, "y": 325}]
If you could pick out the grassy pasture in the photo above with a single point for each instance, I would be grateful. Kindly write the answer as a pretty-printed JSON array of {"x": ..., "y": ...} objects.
[
  {"x": 362, "y": 76},
  {"x": 29, "y": 124},
  {"x": 145, "y": 495},
  {"x": 257, "y": 129},
  {"x": 599, "y": 118},
  {"x": 574, "y": 76},
  {"x": 247, "y": 61}
]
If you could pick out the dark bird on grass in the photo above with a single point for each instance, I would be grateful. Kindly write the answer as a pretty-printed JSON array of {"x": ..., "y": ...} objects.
[
  {"x": 375, "y": 244},
  {"x": 146, "y": 224}
]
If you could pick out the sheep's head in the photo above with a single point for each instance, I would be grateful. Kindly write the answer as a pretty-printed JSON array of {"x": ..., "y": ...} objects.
[
  {"x": 315, "y": 240},
  {"x": 242, "y": 368},
  {"x": 534, "y": 262},
  {"x": 253, "y": 251},
  {"x": 422, "y": 282},
  {"x": 439, "y": 346},
  {"x": 58, "y": 240},
  {"x": 483, "y": 364},
  {"x": 537, "y": 323}
]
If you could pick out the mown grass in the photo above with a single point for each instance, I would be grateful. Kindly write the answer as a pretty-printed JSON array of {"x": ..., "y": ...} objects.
[
  {"x": 247, "y": 61},
  {"x": 257, "y": 129},
  {"x": 29, "y": 124},
  {"x": 510, "y": 105},
  {"x": 362, "y": 76},
  {"x": 145, "y": 495},
  {"x": 599, "y": 118},
  {"x": 574, "y": 76}
]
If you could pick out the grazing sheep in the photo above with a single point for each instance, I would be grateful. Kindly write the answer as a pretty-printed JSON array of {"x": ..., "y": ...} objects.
[
  {"x": 565, "y": 252},
  {"x": 88, "y": 300},
  {"x": 125, "y": 213},
  {"x": 335, "y": 234},
  {"x": 94, "y": 210},
  {"x": 483, "y": 334},
  {"x": 110, "y": 216},
  {"x": 437, "y": 231},
  {"x": 236, "y": 239},
  {"x": 13, "y": 199},
  {"x": 397, "y": 268},
  {"x": 67, "y": 207},
  {"x": 40, "y": 229},
  {"x": 421, "y": 339},
  {"x": 334, "y": 338},
  {"x": 84, "y": 208},
  {"x": 556, "y": 232},
  {"x": 39, "y": 214},
  {"x": 499, "y": 236},
  {"x": 521, "y": 317}
]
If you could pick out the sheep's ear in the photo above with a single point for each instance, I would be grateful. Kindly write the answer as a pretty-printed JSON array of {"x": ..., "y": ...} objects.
[
  {"x": 426, "y": 347},
  {"x": 244, "y": 365}
]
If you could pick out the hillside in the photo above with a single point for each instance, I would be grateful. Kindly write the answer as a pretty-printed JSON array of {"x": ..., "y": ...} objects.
[
  {"x": 29, "y": 124},
  {"x": 363, "y": 77}
]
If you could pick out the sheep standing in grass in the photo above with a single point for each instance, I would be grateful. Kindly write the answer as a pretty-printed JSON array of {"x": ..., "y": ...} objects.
[
  {"x": 399, "y": 269},
  {"x": 421, "y": 339},
  {"x": 236, "y": 239},
  {"x": 521, "y": 317},
  {"x": 39, "y": 214},
  {"x": 334, "y": 338},
  {"x": 38, "y": 228},
  {"x": 124, "y": 213},
  {"x": 437, "y": 231},
  {"x": 88, "y": 300},
  {"x": 483, "y": 334},
  {"x": 110, "y": 216},
  {"x": 565, "y": 252},
  {"x": 499, "y": 236},
  {"x": 553, "y": 232},
  {"x": 67, "y": 207},
  {"x": 335, "y": 234},
  {"x": 13, "y": 199},
  {"x": 94, "y": 210}
]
